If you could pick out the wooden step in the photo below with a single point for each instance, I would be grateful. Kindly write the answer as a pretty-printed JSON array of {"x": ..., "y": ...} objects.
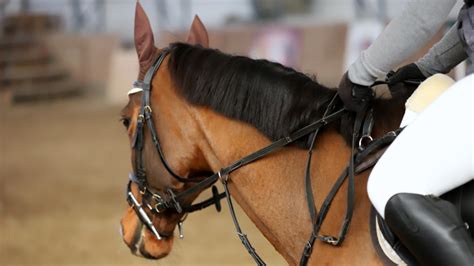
[
  {"x": 46, "y": 91},
  {"x": 32, "y": 56},
  {"x": 37, "y": 49},
  {"x": 32, "y": 67},
  {"x": 33, "y": 75},
  {"x": 18, "y": 42},
  {"x": 31, "y": 24}
]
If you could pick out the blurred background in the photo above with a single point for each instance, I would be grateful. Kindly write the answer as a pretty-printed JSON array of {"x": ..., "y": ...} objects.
[{"x": 65, "y": 68}]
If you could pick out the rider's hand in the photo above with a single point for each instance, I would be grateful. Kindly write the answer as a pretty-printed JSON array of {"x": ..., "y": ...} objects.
[
  {"x": 355, "y": 97},
  {"x": 403, "y": 82}
]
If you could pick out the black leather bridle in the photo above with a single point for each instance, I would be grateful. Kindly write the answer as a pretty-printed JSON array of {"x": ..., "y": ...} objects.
[
  {"x": 155, "y": 201},
  {"x": 160, "y": 201}
]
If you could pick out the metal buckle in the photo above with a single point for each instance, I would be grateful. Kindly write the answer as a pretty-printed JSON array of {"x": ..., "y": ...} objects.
[
  {"x": 362, "y": 146},
  {"x": 329, "y": 240},
  {"x": 223, "y": 178},
  {"x": 156, "y": 196},
  {"x": 308, "y": 248},
  {"x": 148, "y": 108},
  {"x": 392, "y": 133},
  {"x": 159, "y": 207}
]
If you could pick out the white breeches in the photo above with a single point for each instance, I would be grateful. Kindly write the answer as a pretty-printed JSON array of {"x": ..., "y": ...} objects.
[{"x": 433, "y": 154}]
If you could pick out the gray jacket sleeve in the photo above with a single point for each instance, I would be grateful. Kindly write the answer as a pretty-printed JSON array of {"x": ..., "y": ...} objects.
[
  {"x": 404, "y": 36},
  {"x": 444, "y": 55}
]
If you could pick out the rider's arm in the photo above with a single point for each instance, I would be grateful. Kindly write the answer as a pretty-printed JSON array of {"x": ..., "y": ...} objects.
[
  {"x": 444, "y": 55},
  {"x": 404, "y": 36}
]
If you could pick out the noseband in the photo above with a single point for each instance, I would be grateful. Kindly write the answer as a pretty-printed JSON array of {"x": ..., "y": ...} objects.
[{"x": 169, "y": 200}]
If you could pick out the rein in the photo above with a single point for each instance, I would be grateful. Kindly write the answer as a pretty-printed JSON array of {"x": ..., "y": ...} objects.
[{"x": 157, "y": 202}]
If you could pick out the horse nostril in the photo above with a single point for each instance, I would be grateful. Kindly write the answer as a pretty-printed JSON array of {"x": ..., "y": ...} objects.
[
  {"x": 129, "y": 240},
  {"x": 135, "y": 239}
]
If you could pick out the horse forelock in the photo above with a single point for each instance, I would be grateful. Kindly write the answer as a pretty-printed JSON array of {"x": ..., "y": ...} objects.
[{"x": 275, "y": 99}]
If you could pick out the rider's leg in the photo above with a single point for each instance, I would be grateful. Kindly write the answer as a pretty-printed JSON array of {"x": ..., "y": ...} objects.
[
  {"x": 467, "y": 205},
  {"x": 433, "y": 155},
  {"x": 463, "y": 198},
  {"x": 431, "y": 229}
]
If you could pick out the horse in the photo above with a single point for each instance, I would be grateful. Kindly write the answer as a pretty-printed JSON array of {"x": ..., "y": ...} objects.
[{"x": 211, "y": 109}]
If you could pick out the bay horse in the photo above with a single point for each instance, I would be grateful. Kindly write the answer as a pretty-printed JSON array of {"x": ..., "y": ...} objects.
[{"x": 211, "y": 109}]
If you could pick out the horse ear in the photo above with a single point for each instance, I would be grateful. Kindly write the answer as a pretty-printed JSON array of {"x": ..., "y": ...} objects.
[
  {"x": 198, "y": 33},
  {"x": 144, "y": 41}
]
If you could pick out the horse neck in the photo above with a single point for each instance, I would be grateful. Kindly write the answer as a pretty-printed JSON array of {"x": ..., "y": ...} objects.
[{"x": 271, "y": 190}]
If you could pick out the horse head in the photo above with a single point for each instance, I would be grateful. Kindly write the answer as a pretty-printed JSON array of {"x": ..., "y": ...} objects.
[{"x": 175, "y": 128}]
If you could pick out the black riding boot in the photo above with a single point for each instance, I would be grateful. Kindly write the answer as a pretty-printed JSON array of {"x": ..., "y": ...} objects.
[
  {"x": 431, "y": 229},
  {"x": 463, "y": 198}
]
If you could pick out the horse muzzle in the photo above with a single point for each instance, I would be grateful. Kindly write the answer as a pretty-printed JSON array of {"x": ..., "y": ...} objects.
[{"x": 141, "y": 241}]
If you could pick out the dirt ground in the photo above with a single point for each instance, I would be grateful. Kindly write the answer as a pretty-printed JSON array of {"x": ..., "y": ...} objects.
[{"x": 63, "y": 171}]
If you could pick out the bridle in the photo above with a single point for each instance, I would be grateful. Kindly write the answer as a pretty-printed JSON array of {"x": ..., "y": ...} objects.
[{"x": 157, "y": 202}]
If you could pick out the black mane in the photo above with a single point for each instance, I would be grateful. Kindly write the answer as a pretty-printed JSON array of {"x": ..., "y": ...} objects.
[{"x": 275, "y": 99}]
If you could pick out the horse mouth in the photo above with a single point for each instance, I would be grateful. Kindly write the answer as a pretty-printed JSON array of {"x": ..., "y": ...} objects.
[{"x": 144, "y": 244}]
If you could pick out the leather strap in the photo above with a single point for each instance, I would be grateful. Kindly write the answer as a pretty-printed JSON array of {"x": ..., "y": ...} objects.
[
  {"x": 348, "y": 172},
  {"x": 240, "y": 234},
  {"x": 309, "y": 194}
]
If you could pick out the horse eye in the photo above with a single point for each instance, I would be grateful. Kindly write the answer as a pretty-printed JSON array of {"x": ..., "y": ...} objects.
[{"x": 125, "y": 122}]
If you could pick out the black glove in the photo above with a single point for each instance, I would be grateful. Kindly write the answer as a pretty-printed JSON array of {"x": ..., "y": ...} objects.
[
  {"x": 355, "y": 97},
  {"x": 403, "y": 82}
]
